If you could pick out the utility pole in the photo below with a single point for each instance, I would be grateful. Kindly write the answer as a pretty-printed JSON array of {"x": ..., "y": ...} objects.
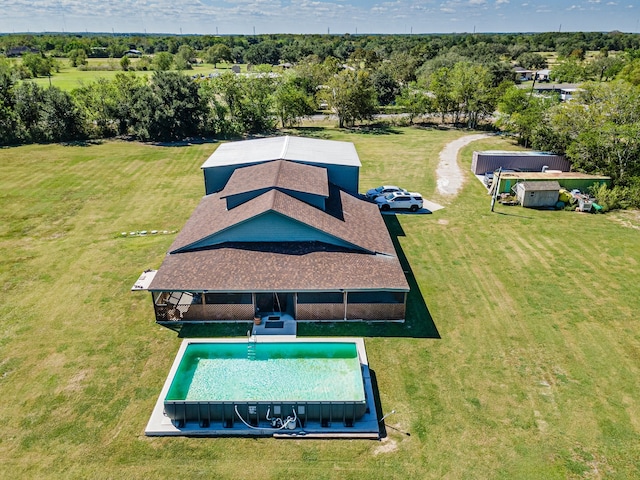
[{"x": 495, "y": 184}]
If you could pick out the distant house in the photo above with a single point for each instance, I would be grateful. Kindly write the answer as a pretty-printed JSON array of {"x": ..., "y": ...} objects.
[
  {"x": 522, "y": 74},
  {"x": 19, "y": 51},
  {"x": 543, "y": 75},
  {"x": 565, "y": 90},
  {"x": 567, "y": 93},
  {"x": 276, "y": 232}
]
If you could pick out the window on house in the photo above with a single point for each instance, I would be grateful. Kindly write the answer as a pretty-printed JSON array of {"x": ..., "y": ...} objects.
[
  {"x": 228, "y": 298},
  {"x": 320, "y": 297}
]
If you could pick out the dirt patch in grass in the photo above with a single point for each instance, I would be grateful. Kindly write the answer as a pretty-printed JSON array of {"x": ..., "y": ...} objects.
[
  {"x": 386, "y": 446},
  {"x": 627, "y": 218}
]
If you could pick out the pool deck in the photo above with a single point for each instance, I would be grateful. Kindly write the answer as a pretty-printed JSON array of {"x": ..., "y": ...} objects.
[
  {"x": 275, "y": 326},
  {"x": 367, "y": 427}
]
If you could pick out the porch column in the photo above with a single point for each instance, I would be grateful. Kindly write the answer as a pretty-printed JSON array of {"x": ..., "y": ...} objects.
[{"x": 344, "y": 300}]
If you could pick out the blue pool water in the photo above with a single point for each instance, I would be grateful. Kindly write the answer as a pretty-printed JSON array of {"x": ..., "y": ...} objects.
[{"x": 279, "y": 371}]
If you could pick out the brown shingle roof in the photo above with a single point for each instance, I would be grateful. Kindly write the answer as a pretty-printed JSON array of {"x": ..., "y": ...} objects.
[
  {"x": 279, "y": 174},
  {"x": 361, "y": 224},
  {"x": 230, "y": 269}
]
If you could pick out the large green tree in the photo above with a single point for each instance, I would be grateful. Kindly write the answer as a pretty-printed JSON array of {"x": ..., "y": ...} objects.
[
  {"x": 8, "y": 118},
  {"x": 265, "y": 52},
  {"x": 351, "y": 96},
  {"x": 414, "y": 101},
  {"x": 170, "y": 108},
  {"x": 386, "y": 86},
  {"x": 601, "y": 129},
  {"x": 523, "y": 113},
  {"x": 441, "y": 88},
  {"x": 28, "y": 105},
  {"x": 162, "y": 61},
  {"x": 77, "y": 57},
  {"x": 292, "y": 102},
  {"x": 39, "y": 65},
  {"x": 185, "y": 57},
  {"x": 631, "y": 72},
  {"x": 62, "y": 120},
  {"x": 218, "y": 53},
  {"x": 472, "y": 95}
]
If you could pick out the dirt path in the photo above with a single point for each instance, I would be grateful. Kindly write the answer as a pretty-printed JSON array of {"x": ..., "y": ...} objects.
[{"x": 449, "y": 174}]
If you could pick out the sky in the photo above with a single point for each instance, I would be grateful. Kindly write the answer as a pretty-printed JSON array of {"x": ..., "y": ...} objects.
[{"x": 245, "y": 17}]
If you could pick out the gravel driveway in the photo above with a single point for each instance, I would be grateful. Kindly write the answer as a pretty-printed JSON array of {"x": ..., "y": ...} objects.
[{"x": 448, "y": 173}]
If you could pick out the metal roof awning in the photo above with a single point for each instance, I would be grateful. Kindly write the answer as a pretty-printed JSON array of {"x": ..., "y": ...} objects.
[{"x": 144, "y": 280}]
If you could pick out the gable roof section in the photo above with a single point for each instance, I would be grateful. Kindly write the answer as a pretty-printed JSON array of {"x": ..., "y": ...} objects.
[
  {"x": 361, "y": 225},
  {"x": 280, "y": 174},
  {"x": 311, "y": 150}
]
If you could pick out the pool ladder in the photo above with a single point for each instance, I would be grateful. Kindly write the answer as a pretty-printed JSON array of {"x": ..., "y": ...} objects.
[{"x": 251, "y": 347}]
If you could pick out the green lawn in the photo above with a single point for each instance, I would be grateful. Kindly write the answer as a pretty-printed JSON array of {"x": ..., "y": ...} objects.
[
  {"x": 520, "y": 357},
  {"x": 69, "y": 78}
]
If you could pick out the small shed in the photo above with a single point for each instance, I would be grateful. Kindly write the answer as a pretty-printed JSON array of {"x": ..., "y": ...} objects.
[{"x": 538, "y": 194}]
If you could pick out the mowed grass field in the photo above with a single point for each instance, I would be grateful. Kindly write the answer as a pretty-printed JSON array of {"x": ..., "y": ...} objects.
[
  {"x": 520, "y": 357},
  {"x": 70, "y": 78}
]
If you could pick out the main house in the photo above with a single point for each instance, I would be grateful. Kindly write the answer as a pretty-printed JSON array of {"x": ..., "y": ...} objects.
[{"x": 281, "y": 229}]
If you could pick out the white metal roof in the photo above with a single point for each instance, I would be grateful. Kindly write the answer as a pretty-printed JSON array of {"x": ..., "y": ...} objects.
[{"x": 284, "y": 148}]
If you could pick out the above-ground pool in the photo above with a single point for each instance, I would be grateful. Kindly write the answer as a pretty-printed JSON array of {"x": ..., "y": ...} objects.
[{"x": 266, "y": 384}]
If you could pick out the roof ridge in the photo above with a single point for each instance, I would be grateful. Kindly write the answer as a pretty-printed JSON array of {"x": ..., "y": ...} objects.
[
  {"x": 276, "y": 181},
  {"x": 285, "y": 147}
]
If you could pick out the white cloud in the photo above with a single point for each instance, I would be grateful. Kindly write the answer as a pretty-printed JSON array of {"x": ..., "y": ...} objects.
[{"x": 301, "y": 16}]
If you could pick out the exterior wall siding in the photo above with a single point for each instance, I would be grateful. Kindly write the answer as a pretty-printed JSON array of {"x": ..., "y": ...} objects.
[
  {"x": 215, "y": 178},
  {"x": 375, "y": 311},
  {"x": 537, "y": 199},
  {"x": 235, "y": 200},
  {"x": 241, "y": 198},
  {"x": 320, "y": 311},
  {"x": 271, "y": 227},
  {"x": 206, "y": 312},
  {"x": 344, "y": 176},
  {"x": 581, "y": 184}
]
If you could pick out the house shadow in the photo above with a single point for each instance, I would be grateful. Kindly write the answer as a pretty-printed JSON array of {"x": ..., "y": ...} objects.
[
  {"x": 418, "y": 321},
  {"x": 186, "y": 142},
  {"x": 376, "y": 129}
]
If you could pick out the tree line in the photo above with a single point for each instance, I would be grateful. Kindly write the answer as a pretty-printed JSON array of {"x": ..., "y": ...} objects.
[
  {"x": 260, "y": 49},
  {"x": 468, "y": 84}
]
